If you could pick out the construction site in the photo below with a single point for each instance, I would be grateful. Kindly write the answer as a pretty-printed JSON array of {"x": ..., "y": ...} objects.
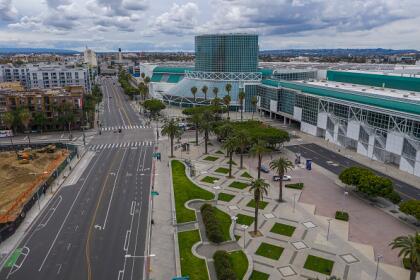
[{"x": 24, "y": 175}]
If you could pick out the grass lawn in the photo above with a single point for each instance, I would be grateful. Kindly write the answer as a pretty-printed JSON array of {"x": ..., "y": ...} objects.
[
  {"x": 211, "y": 158},
  {"x": 222, "y": 170},
  {"x": 190, "y": 264},
  {"x": 238, "y": 185},
  {"x": 185, "y": 190},
  {"x": 257, "y": 275},
  {"x": 237, "y": 237},
  {"x": 209, "y": 179},
  {"x": 225, "y": 197},
  {"x": 246, "y": 175},
  {"x": 225, "y": 221},
  {"x": 220, "y": 152},
  {"x": 233, "y": 162},
  {"x": 269, "y": 251},
  {"x": 283, "y": 229},
  {"x": 318, "y": 264},
  {"x": 244, "y": 219},
  {"x": 239, "y": 263},
  {"x": 262, "y": 204}
]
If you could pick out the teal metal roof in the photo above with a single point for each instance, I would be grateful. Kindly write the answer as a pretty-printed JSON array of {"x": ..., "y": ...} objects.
[
  {"x": 265, "y": 71},
  {"x": 174, "y": 78},
  {"x": 156, "y": 77},
  {"x": 377, "y": 101},
  {"x": 376, "y": 80},
  {"x": 172, "y": 70}
]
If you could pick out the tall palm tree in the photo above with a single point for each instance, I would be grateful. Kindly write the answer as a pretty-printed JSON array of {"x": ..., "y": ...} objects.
[
  {"x": 259, "y": 149},
  {"x": 194, "y": 92},
  {"x": 254, "y": 102},
  {"x": 409, "y": 247},
  {"x": 206, "y": 125},
  {"x": 243, "y": 140},
  {"x": 215, "y": 92},
  {"x": 204, "y": 89},
  {"x": 172, "y": 130},
  {"x": 228, "y": 88},
  {"x": 260, "y": 188},
  {"x": 25, "y": 118},
  {"x": 241, "y": 97},
  {"x": 281, "y": 166},
  {"x": 195, "y": 119},
  {"x": 223, "y": 130},
  {"x": 226, "y": 101},
  {"x": 230, "y": 145}
]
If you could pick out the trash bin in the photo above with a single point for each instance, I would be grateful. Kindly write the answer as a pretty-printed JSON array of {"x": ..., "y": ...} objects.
[{"x": 309, "y": 164}]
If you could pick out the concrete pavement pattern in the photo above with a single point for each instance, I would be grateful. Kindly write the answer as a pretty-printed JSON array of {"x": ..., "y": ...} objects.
[{"x": 99, "y": 224}]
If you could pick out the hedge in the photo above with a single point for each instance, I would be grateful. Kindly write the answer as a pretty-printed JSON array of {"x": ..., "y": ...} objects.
[
  {"x": 342, "y": 216},
  {"x": 223, "y": 266},
  {"x": 213, "y": 228},
  {"x": 297, "y": 186}
]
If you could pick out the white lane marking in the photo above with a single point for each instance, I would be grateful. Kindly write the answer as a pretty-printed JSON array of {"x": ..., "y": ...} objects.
[
  {"x": 113, "y": 189},
  {"x": 51, "y": 211},
  {"x": 133, "y": 206},
  {"x": 68, "y": 213},
  {"x": 127, "y": 239},
  {"x": 24, "y": 252},
  {"x": 59, "y": 269}
]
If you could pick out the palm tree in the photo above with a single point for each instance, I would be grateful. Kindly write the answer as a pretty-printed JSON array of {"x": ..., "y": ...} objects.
[
  {"x": 241, "y": 97},
  {"x": 259, "y": 149},
  {"x": 228, "y": 88},
  {"x": 281, "y": 166},
  {"x": 230, "y": 145},
  {"x": 242, "y": 139},
  {"x": 260, "y": 188},
  {"x": 204, "y": 89},
  {"x": 223, "y": 130},
  {"x": 172, "y": 130},
  {"x": 194, "y": 92},
  {"x": 206, "y": 125},
  {"x": 226, "y": 101},
  {"x": 195, "y": 119},
  {"x": 409, "y": 249},
  {"x": 215, "y": 92},
  {"x": 25, "y": 118},
  {"x": 254, "y": 102}
]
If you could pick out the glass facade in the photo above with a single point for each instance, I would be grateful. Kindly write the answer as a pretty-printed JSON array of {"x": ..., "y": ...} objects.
[{"x": 226, "y": 53}]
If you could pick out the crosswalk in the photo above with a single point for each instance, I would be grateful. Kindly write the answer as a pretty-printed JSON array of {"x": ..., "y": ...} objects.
[
  {"x": 125, "y": 127},
  {"x": 97, "y": 147}
]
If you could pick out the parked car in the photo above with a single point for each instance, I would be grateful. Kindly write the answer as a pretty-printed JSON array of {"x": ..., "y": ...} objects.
[
  {"x": 285, "y": 178},
  {"x": 264, "y": 169}
]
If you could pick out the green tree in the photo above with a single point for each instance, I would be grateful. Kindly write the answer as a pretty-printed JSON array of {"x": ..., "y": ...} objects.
[
  {"x": 194, "y": 92},
  {"x": 204, "y": 89},
  {"x": 154, "y": 106},
  {"x": 243, "y": 142},
  {"x": 215, "y": 92},
  {"x": 8, "y": 120},
  {"x": 25, "y": 118},
  {"x": 241, "y": 97},
  {"x": 40, "y": 119},
  {"x": 195, "y": 119},
  {"x": 258, "y": 149},
  {"x": 352, "y": 175},
  {"x": 172, "y": 130},
  {"x": 409, "y": 248},
  {"x": 230, "y": 145},
  {"x": 206, "y": 125},
  {"x": 228, "y": 88},
  {"x": 142, "y": 75},
  {"x": 281, "y": 166},
  {"x": 254, "y": 102},
  {"x": 66, "y": 116},
  {"x": 259, "y": 188},
  {"x": 411, "y": 207},
  {"x": 226, "y": 101}
]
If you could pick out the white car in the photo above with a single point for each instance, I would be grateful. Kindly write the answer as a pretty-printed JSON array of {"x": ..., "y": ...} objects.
[{"x": 285, "y": 178}]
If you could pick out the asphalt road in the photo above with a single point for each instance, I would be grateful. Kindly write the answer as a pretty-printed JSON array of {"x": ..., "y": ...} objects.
[
  {"x": 97, "y": 228},
  {"x": 335, "y": 163}
]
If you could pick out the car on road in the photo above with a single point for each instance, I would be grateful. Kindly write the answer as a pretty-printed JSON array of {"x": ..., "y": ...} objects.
[
  {"x": 264, "y": 169},
  {"x": 285, "y": 178}
]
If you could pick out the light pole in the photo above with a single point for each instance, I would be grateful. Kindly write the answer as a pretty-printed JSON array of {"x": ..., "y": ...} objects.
[
  {"x": 328, "y": 230},
  {"x": 244, "y": 227},
  {"x": 234, "y": 218},
  {"x": 378, "y": 259},
  {"x": 217, "y": 190}
]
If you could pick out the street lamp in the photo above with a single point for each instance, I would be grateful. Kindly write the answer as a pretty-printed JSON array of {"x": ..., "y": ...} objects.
[
  {"x": 328, "y": 230},
  {"x": 244, "y": 227},
  {"x": 378, "y": 259},
  {"x": 217, "y": 190},
  {"x": 234, "y": 218}
]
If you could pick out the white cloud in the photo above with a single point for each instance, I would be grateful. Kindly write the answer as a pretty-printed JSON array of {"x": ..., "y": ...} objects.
[
  {"x": 179, "y": 20},
  {"x": 7, "y": 11}
]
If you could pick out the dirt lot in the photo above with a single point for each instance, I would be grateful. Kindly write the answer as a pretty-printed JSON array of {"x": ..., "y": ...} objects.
[{"x": 19, "y": 181}]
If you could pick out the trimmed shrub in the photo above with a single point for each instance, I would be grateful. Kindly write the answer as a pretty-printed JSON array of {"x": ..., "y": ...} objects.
[
  {"x": 394, "y": 197},
  {"x": 223, "y": 266},
  {"x": 213, "y": 229},
  {"x": 297, "y": 186},
  {"x": 411, "y": 207},
  {"x": 342, "y": 216}
]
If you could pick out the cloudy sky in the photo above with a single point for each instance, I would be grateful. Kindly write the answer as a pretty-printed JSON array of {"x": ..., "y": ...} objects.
[{"x": 163, "y": 25}]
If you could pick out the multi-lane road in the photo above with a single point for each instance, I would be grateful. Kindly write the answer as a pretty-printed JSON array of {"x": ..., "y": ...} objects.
[{"x": 96, "y": 226}]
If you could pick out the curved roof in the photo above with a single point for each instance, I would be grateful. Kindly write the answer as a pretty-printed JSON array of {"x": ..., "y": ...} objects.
[
  {"x": 347, "y": 95},
  {"x": 172, "y": 70}
]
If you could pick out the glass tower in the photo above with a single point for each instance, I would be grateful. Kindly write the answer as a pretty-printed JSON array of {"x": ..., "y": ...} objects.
[{"x": 226, "y": 53}]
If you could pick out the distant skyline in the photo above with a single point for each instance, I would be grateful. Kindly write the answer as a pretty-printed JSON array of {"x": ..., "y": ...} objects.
[{"x": 158, "y": 25}]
